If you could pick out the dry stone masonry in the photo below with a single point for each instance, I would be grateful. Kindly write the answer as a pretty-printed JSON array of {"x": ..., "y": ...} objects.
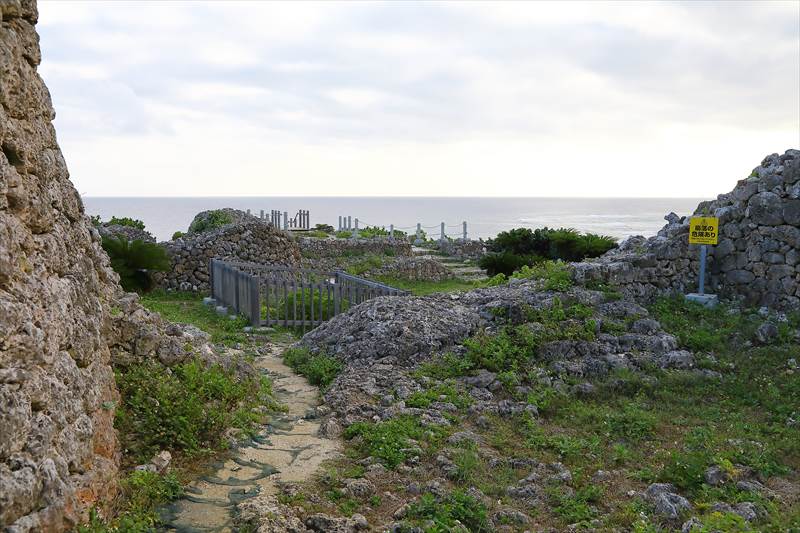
[
  {"x": 757, "y": 259},
  {"x": 251, "y": 240}
]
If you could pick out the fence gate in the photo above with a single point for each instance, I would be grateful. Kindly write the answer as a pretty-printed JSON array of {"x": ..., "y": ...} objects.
[{"x": 289, "y": 296}]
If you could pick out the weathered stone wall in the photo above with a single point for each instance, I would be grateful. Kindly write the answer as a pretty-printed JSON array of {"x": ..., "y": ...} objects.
[
  {"x": 313, "y": 248},
  {"x": 757, "y": 259},
  {"x": 473, "y": 250},
  {"x": 252, "y": 240},
  {"x": 58, "y": 448},
  {"x": 413, "y": 269}
]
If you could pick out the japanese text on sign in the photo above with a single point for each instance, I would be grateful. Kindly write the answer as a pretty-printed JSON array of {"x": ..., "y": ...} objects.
[{"x": 703, "y": 230}]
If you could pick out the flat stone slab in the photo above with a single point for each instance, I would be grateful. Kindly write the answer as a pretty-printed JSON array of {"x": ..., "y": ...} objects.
[{"x": 708, "y": 300}]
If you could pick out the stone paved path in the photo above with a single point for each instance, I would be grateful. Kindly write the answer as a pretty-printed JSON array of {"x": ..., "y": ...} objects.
[{"x": 288, "y": 449}]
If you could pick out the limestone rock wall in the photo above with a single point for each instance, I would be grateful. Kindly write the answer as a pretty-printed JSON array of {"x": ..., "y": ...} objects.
[
  {"x": 251, "y": 240},
  {"x": 757, "y": 259},
  {"x": 313, "y": 248},
  {"x": 58, "y": 448},
  {"x": 414, "y": 269}
]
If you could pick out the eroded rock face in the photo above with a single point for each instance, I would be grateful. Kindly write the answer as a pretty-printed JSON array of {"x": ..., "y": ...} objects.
[
  {"x": 757, "y": 259},
  {"x": 58, "y": 449}
]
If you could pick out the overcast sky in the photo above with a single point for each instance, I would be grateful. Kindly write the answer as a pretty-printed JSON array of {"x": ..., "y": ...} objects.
[{"x": 431, "y": 99}]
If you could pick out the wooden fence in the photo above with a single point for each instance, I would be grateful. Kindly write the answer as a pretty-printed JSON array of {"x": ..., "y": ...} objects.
[{"x": 289, "y": 296}]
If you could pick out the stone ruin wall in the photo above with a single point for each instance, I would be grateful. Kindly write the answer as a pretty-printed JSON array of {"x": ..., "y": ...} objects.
[
  {"x": 253, "y": 241},
  {"x": 757, "y": 260},
  {"x": 323, "y": 248},
  {"x": 58, "y": 448}
]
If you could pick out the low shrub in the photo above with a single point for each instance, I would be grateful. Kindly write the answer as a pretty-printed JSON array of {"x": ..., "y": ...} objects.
[
  {"x": 512, "y": 249},
  {"x": 344, "y": 234},
  {"x": 133, "y": 260},
  {"x": 390, "y": 440},
  {"x": 214, "y": 219},
  {"x": 177, "y": 235},
  {"x": 142, "y": 493},
  {"x": 447, "y": 512},
  {"x": 319, "y": 369},
  {"x": 370, "y": 262},
  {"x": 324, "y": 228},
  {"x": 186, "y": 408},
  {"x": 127, "y": 221}
]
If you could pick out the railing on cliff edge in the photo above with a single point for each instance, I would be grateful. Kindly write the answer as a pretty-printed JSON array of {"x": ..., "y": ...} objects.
[{"x": 269, "y": 295}]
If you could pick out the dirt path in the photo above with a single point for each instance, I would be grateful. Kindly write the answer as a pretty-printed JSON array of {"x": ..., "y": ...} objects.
[{"x": 288, "y": 449}]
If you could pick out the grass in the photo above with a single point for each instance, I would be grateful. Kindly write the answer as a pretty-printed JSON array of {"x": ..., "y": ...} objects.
[
  {"x": 188, "y": 308},
  {"x": 392, "y": 441},
  {"x": 187, "y": 409},
  {"x": 422, "y": 288},
  {"x": 319, "y": 369},
  {"x": 660, "y": 426},
  {"x": 142, "y": 493}
]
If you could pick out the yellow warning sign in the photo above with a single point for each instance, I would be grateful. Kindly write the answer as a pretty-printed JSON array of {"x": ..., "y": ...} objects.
[{"x": 704, "y": 230}]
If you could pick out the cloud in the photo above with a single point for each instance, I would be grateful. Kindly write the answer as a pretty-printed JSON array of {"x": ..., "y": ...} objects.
[{"x": 513, "y": 82}]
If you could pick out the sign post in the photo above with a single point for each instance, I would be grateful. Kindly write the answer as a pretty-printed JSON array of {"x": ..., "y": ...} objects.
[{"x": 703, "y": 231}]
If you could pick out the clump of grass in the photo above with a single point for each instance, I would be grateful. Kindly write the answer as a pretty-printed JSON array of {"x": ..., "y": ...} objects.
[
  {"x": 185, "y": 408},
  {"x": 320, "y": 369},
  {"x": 142, "y": 493},
  {"x": 422, "y": 288},
  {"x": 447, "y": 511},
  {"x": 443, "y": 392},
  {"x": 215, "y": 219},
  {"x": 371, "y": 262},
  {"x": 391, "y": 440}
]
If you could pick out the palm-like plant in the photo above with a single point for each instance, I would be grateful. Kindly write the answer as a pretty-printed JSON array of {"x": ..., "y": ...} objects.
[{"x": 133, "y": 260}]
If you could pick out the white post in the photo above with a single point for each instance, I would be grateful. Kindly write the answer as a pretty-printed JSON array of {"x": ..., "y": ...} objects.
[
  {"x": 349, "y": 223},
  {"x": 340, "y": 223},
  {"x": 248, "y": 211},
  {"x": 442, "y": 237},
  {"x": 419, "y": 234},
  {"x": 355, "y": 232},
  {"x": 262, "y": 214},
  {"x": 465, "y": 231},
  {"x": 391, "y": 232},
  {"x": 286, "y": 220}
]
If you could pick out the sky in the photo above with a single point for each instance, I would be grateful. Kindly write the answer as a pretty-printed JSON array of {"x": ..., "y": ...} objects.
[{"x": 650, "y": 99}]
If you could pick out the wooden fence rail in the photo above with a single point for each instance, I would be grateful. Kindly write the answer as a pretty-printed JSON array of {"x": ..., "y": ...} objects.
[{"x": 287, "y": 296}]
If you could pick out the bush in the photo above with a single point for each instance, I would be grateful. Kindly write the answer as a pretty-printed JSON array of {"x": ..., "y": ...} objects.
[
  {"x": 324, "y": 228},
  {"x": 133, "y": 260},
  {"x": 390, "y": 440},
  {"x": 95, "y": 220},
  {"x": 214, "y": 219},
  {"x": 319, "y": 369},
  {"x": 512, "y": 249},
  {"x": 127, "y": 221},
  {"x": 371, "y": 262},
  {"x": 344, "y": 234},
  {"x": 186, "y": 408},
  {"x": 448, "y": 511},
  {"x": 177, "y": 235}
]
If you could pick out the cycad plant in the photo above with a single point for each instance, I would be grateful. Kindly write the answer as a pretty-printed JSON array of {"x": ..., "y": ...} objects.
[{"x": 133, "y": 260}]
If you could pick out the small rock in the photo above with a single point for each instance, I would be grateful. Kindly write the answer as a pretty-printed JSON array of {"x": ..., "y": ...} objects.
[
  {"x": 666, "y": 502},
  {"x": 766, "y": 333}
]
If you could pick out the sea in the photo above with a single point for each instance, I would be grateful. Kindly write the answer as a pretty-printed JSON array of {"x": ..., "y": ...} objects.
[{"x": 485, "y": 217}]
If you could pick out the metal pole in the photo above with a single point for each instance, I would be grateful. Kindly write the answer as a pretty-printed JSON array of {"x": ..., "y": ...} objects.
[{"x": 702, "y": 268}]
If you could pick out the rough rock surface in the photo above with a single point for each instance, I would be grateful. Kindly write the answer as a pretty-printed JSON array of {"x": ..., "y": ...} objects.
[
  {"x": 473, "y": 250},
  {"x": 63, "y": 316},
  {"x": 404, "y": 328},
  {"x": 127, "y": 232},
  {"x": 58, "y": 449},
  {"x": 313, "y": 248},
  {"x": 235, "y": 216},
  {"x": 254, "y": 241},
  {"x": 414, "y": 269},
  {"x": 758, "y": 256}
]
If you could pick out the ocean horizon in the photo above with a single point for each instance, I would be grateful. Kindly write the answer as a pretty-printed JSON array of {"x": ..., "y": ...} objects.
[{"x": 485, "y": 217}]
